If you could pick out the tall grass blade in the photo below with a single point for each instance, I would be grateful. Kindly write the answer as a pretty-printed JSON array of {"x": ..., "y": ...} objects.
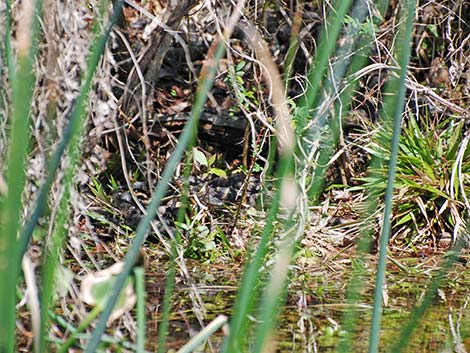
[
  {"x": 324, "y": 51},
  {"x": 248, "y": 293},
  {"x": 393, "y": 107},
  {"x": 188, "y": 134},
  {"x": 49, "y": 269},
  {"x": 356, "y": 282},
  {"x": 22, "y": 81},
  {"x": 274, "y": 292},
  {"x": 70, "y": 133},
  {"x": 71, "y": 139},
  {"x": 332, "y": 88},
  {"x": 166, "y": 305}
]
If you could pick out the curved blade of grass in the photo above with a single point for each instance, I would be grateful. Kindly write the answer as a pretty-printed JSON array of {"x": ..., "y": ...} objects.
[
  {"x": 248, "y": 294},
  {"x": 331, "y": 86},
  {"x": 22, "y": 86},
  {"x": 393, "y": 106},
  {"x": 274, "y": 292},
  {"x": 356, "y": 282},
  {"x": 188, "y": 133},
  {"x": 73, "y": 140},
  {"x": 50, "y": 263},
  {"x": 324, "y": 51},
  {"x": 70, "y": 133}
]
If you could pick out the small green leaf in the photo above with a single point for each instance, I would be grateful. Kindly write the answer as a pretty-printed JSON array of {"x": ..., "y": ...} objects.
[
  {"x": 218, "y": 172},
  {"x": 203, "y": 231},
  {"x": 200, "y": 157},
  {"x": 114, "y": 184},
  {"x": 432, "y": 28},
  {"x": 240, "y": 66},
  {"x": 404, "y": 219},
  {"x": 212, "y": 159}
]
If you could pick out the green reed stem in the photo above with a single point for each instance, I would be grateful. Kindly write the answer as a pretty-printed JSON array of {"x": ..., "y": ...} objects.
[
  {"x": 71, "y": 132},
  {"x": 140, "y": 292},
  {"x": 22, "y": 80},
  {"x": 324, "y": 52},
  {"x": 393, "y": 106},
  {"x": 188, "y": 133},
  {"x": 356, "y": 282}
]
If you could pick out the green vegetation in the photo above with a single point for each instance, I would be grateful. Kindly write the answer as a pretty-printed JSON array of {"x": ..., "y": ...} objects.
[
  {"x": 302, "y": 254},
  {"x": 432, "y": 176}
]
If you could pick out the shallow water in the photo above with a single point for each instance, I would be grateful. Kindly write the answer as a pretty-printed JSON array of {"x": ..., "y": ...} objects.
[{"x": 311, "y": 320}]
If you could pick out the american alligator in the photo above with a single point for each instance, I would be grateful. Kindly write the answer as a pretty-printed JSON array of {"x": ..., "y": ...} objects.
[
  {"x": 214, "y": 192},
  {"x": 226, "y": 134},
  {"x": 224, "y": 131}
]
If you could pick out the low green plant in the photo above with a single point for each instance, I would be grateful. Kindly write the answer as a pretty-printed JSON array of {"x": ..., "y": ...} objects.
[
  {"x": 433, "y": 172},
  {"x": 245, "y": 94},
  {"x": 99, "y": 191},
  {"x": 207, "y": 164},
  {"x": 200, "y": 241}
]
